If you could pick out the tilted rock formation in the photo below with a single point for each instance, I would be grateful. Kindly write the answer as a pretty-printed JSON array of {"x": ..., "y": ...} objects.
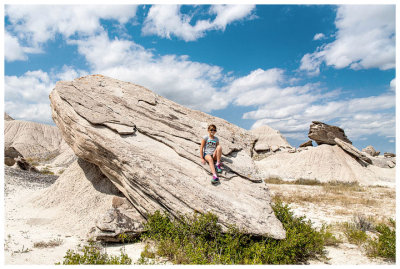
[
  {"x": 352, "y": 150},
  {"x": 325, "y": 134},
  {"x": 148, "y": 147},
  {"x": 268, "y": 139}
]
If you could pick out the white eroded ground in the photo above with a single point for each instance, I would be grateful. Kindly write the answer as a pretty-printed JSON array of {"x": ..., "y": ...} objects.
[{"x": 25, "y": 225}]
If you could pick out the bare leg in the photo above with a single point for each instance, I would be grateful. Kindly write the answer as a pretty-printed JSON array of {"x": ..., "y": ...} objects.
[
  {"x": 210, "y": 161},
  {"x": 217, "y": 154}
]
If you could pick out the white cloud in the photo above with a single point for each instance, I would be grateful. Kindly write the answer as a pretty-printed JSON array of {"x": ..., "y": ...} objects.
[
  {"x": 167, "y": 20},
  {"x": 365, "y": 39},
  {"x": 13, "y": 50},
  {"x": 393, "y": 85},
  {"x": 33, "y": 25},
  {"x": 319, "y": 36},
  {"x": 27, "y": 96},
  {"x": 175, "y": 77},
  {"x": 292, "y": 109}
]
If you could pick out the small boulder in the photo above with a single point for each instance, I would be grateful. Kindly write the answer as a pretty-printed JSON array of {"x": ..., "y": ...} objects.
[
  {"x": 323, "y": 133},
  {"x": 306, "y": 144},
  {"x": 10, "y": 154},
  {"x": 23, "y": 164},
  {"x": 119, "y": 221},
  {"x": 389, "y": 155}
]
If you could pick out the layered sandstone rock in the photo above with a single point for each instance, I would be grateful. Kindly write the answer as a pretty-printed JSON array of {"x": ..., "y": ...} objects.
[{"x": 148, "y": 147}]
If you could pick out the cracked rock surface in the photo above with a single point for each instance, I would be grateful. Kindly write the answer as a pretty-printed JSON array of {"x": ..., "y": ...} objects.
[{"x": 148, "y": 146}]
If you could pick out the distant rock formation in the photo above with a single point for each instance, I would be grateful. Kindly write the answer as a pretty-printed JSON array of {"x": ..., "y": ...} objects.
[
  {"x": 324, "y": 163},
  {"x": 371, "y": 151},
  {"x": 388, "y": 155},
  {"x": 323, "y": 133},
  {"x": 7, "y": 117},
  {"x": 306, "y": 144},
  {"x": 32, "y": 139},
  {"x": 268, "y": 139},
  {"x": 148, "y": 147}
]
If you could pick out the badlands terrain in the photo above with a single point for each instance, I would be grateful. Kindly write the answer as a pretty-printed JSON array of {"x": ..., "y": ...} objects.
[{"x": 114, "y": 154}]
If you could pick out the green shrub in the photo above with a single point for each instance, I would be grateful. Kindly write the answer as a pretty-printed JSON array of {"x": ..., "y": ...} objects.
[
  {"x": 385, "y": 245},
  {"x": 199, "y": 239},
  {"x": 354, "y": 234},
  {"x": 92, "y": 254}
]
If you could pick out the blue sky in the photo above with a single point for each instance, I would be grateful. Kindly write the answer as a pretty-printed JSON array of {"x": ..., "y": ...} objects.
[{"x": 277, "y": 65}]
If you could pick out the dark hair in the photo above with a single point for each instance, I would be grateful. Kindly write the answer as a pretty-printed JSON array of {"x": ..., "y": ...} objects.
[{"x": 211, "y": 126}]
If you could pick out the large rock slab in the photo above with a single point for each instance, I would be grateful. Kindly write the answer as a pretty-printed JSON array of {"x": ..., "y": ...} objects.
[
  {"x": 323, "y": 133},
  {"x": 148, "y": 147}
]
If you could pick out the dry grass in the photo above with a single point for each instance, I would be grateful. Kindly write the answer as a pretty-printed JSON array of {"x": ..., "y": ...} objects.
[
  {"x": 330, "y": 197},
  {"x": 50, "y": 244}
]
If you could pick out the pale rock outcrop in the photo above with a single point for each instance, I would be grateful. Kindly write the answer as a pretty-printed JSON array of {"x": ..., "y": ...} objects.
[
  {"x": 323, "y": 133},
  {"x": 81, "y": 198},
  {"x": 148, "y": 147},
  {"x": 324, "y": 163},
  {"x": 120, "y": 220},
  {"x": 31, "y": 139},
  {"x": 371, "y": 151},
  {"x": 268, "y": 139}
]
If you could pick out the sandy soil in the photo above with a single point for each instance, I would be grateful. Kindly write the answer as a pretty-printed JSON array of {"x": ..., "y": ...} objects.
[{"x": 25, "y": 225}]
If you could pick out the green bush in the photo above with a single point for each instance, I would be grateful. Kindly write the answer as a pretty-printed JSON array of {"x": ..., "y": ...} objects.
[
  {"x": 385, "y": 245},
  {"x": 354, "y": 234},
  {"x": 199, "y": 239},
  {"x": 92, "y": 254}
]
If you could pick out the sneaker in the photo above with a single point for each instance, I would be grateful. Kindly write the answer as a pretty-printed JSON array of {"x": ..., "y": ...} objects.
[
  {"x": 218, "y": 168},
  {"x": 214, "y": 180}
]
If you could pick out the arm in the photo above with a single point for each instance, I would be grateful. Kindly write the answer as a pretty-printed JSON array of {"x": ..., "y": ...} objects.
[{"x": 203, "y": 142}]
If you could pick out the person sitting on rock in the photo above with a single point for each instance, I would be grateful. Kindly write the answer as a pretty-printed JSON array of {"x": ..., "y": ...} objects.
[{"x": 211, "y": 151}]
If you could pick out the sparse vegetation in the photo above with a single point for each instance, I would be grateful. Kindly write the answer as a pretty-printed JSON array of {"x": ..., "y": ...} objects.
[
  {"x": 50, "y": 244},
  {"x": 94, "y": 254},
  {"x": 199, "y": 239},
  {"x": 46, "y": 170},
  {"x": 380, "y": 242},
  {"x": 385, "y": 244}
]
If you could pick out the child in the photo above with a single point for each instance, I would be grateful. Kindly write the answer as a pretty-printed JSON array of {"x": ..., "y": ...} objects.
[{"x": 210, "y": 150}]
